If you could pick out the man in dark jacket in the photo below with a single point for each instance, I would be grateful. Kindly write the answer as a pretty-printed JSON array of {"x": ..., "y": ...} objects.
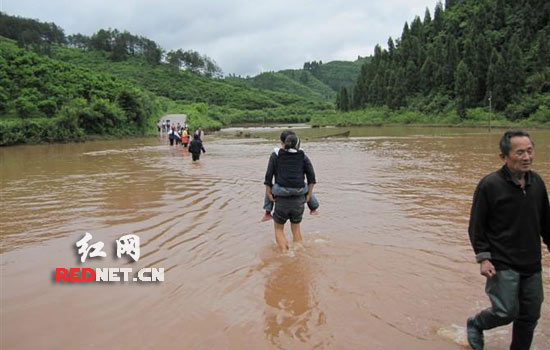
[
  {"x": 510, "y": 212},
  {"x": 195, "y": 147}
]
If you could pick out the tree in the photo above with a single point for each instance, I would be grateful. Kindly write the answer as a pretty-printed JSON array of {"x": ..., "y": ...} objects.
[
  {"x": 417, "y": 29},
  {"x": 304, "y": 77},
  {"x": 438, "y": 18},
  {"x": 427, "y": 75},
  {"x": 79, "y": 41},
  {"x": 101, "y": 40},
  {"x": 515, "y": 71},
  {"x": 120, "y": 50},
  {"x": 427, "y": 17},
  {"x": 173, "y": 58},
  {"x": 412, "y": 77},
  {"x": 152, "y": 53},
  {"x": 391, "y": 48},
  {"x": 451, "y": 62},
  {"x": 344, "y": 99},
  {"x": 465, "y": 89},
  {"x": 450, "y": 3},
  {"x": 212, "y": 69},
  {"x": 496, "y": 81}
]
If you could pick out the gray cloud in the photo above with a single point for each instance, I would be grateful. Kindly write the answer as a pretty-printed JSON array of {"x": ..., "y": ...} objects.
[{"x": 243, "y": 37}]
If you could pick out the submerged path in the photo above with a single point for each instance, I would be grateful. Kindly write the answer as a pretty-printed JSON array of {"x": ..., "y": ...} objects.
[{"x": 175, "y": 118}]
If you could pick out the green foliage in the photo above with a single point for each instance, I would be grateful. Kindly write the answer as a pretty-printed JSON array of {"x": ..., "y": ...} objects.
[
  {"x": 384, "y": 115},
  {"x": 336, "y": 74},
  {"x": 289, "y": 82},
  {"x": 60, "y": 129},
  {"x": 527, "y": 107},
  {"x": 464, "y": 89},
  {"x": 163, "y": 80},
  {"x": 194, "y": 62},
  {"x": 79, "y": 102},
  {"x": 542, "y": 115},
  {"x": 343, "y": 100},
  {"x": 317, "y": 81},
  {"x": 503, "y": 46},
  {"x": 30, "y": 33},
  {"x": 119, "y": 45}
]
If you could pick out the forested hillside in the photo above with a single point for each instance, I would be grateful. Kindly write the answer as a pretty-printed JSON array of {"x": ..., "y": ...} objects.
[
  {"x": 86, "y": 81},
  {"x": 492, "y": 54},
  {"x": 336, "y": 74},
  {"x": 288, "y": 81},
  {"x": 44, "y": 99},
  {"x": 317, "y": 81}
]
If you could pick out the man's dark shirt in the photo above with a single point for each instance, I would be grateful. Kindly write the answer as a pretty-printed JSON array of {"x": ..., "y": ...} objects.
[
  {"x": 506, "y": 221},
  {"x": 196, "y": 146}
]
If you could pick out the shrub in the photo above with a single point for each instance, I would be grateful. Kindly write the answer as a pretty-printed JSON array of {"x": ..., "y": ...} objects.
[
  {"x": 26, "y": 108},
  {"x": 542, "y": 115}
]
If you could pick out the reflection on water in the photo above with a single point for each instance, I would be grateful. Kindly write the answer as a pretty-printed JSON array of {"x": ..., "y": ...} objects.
[
  {"x": 387, "y": 264},
  {"x": 291, "y": 303}
]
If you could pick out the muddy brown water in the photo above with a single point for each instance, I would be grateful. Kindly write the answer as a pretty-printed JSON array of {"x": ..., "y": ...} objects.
[{"x": 387, "y": 264}]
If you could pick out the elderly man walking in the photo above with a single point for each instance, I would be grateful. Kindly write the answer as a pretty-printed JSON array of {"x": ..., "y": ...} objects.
[{"x": 510, "y": 213}]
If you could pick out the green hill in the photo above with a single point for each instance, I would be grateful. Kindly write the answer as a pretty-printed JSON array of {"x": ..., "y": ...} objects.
[
  {"x": 288, "y": 82},
  {"x": 336, "y": 74},
  {"x": 317, "y": 81},
  {"x": 175, "y": 84},
  {"x": 42, "y": 99},
  {"x": 309, "y": 80},
  {"x": 225, "y": 101}
]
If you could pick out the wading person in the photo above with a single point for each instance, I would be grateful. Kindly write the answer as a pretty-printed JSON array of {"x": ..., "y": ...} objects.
[
  {"x": 185, "y": 137},
  {"x": 510, "y": 212},
  {"x": 195, "y": 147},
  {"x": 289, "y": 168},
  {"x": 278, "y": 190}
]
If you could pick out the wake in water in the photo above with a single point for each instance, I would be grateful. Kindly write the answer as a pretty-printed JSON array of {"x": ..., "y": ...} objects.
[{"x": 457, "y": 334}]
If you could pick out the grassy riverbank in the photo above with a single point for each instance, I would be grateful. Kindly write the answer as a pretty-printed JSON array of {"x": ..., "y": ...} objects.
[{"x": 386, "y": 116}]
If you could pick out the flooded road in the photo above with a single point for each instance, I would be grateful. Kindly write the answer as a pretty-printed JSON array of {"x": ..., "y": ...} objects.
[{"x": 386, "y": 265}]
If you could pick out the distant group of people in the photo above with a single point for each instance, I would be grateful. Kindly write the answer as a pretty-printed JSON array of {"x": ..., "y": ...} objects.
[
  {"x": 180, "y": 135},
  {"x": 164, "y": 125}
]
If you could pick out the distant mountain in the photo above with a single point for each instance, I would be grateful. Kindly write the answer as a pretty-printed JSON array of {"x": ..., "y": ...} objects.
[
  {"x": 317, "y": 81},
  {"x": 336, "y": 74}
]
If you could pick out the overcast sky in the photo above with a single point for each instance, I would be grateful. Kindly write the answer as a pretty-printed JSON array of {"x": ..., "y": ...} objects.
[{"x": 243, "y": 37}]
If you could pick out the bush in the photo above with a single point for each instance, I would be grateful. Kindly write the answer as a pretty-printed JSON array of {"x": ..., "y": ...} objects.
[
  {"x": 26, "y": 108},
  {"x": 47, "y": 107},
  {"x": 542, "y": 115},
  {"x": 130, "y": 101}
]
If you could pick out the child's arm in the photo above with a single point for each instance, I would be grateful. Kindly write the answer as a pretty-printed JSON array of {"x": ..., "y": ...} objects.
[
  {"x": 268, "y": 193},
  {"x": 310, "y": 175},
  {"x": 309, "y": 191},
  {"x": 271, "y": 169}
]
